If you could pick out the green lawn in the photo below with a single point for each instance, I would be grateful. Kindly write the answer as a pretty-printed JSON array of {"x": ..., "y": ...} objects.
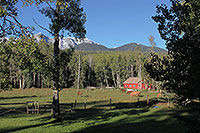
[{"x": 126, "y": 115}]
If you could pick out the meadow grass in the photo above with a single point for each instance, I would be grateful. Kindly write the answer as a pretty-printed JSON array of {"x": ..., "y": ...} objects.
[{"x": 126, "y": 115}]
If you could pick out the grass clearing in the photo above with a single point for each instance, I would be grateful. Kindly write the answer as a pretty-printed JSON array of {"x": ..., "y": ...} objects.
[{"x": 127, "y": 115}]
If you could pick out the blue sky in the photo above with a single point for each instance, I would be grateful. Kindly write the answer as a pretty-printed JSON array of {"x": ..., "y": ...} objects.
[{"x": 111, "y": 23}]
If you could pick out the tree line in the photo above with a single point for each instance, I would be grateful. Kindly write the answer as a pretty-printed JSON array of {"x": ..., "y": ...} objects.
[{"x": 27, "y": 64}]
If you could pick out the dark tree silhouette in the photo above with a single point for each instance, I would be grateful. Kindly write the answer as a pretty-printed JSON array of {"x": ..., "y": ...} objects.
[
  {"x": 179, "y": 26},
  {"x": 66, "y": 17}
]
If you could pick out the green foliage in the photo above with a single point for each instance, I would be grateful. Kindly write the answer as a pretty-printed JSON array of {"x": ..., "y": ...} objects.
[
  {"x": 34, "y": 62},
  {"x": 64, "y": 74},
  {"x": 19, "y": 57},
  {"x": 111, "y": 68},
  {"x": 9, "y": 23},
  {"x": 180, "y": 27},
  {"x": 67, "y": 17}
]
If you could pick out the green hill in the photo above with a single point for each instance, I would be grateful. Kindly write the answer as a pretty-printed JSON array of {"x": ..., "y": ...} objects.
[{"x": 126, "y": 47}]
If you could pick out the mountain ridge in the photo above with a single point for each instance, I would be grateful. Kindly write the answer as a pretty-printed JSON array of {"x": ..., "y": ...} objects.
[
  {"x": 89, "y": 45},
  {"x": 125, "y": 47}
]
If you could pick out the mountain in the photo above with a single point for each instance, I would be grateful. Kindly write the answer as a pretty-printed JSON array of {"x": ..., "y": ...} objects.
[
  {"x": 65, "y": 42},
  {"x": 2, "y": 39},
  {"x": 43, "y": 37},
  {"x": 136, "y": 46},
  {"x": 126, "y": 47},
  {"x": 89, "y": 45}
]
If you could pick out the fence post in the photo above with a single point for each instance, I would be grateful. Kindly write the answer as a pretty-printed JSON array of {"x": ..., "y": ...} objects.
[
  {"x": 75, "y": 104},
  {"x": 85, "y": 104},
  {"x": 71, "y": 107},
  {"x": 38, "y": 107},
  {"x": 110, "y": 103},
  {"x": 45, "y": 108},
  {"x": 33, "y": 107},
  {"x": 147, "y": 99},
  {"x": 27, "y": 110}
]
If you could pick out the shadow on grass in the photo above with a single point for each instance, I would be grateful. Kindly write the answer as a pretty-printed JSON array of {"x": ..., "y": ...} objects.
[
  {"x": 18, "y": 97},
  {"x": 146, "y": 124},
  {"x": 101, "y": 120},
  {"x": 5, "y": 130}
]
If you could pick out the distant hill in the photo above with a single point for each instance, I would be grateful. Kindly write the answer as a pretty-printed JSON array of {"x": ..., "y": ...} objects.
[
  {"x": 135, "y": 46},
  {"x": 126, "y": 47},
  {"x": 91, "y": 47}
]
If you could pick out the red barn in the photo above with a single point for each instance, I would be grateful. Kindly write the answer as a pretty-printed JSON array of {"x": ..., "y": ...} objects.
[{"x": 134, "y": 83}]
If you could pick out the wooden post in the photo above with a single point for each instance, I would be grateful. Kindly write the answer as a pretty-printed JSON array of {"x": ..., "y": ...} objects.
[
  {"x": 71, "y": 106},
  {"x": 45, "y": 108},
  {"x": 38, "y": 107},
  {"x": 75, "y": 104},
  {"x": 27, "y": 110},
  {"x": 85, "y": 104},
  {"x": 110, "y": 103},
  {"x": 33, "y": 107},
  {"x": 147, "y": 99}
]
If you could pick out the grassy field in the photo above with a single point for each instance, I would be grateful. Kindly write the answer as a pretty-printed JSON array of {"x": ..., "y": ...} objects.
[{"x": 126, "y": 115}]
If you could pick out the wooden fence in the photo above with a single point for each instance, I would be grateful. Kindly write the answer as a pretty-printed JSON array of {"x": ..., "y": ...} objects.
[{"x": 36, "y": 107}]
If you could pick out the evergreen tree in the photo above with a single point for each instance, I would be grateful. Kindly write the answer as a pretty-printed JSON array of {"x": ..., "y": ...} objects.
[{"x": 179, "y": 26}]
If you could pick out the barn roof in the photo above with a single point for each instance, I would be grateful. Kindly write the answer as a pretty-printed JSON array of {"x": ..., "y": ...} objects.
[{"x": 132, "y": 80}]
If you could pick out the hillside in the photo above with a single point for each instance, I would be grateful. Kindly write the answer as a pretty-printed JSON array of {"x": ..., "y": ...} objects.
[
  {"x": 91, "y": 47},
  {"x": 126, "y": 47},
  {"x": 135, "y": 46}
]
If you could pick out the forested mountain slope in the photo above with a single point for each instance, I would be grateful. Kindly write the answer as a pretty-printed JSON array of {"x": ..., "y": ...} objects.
[{"x": 126, "y": 47}]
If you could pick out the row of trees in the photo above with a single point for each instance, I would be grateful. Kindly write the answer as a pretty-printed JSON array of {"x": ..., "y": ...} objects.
[
  {"x": 21, "y": 59},
  {"x": 105, "y": 69},
  {"x": 25, "y": 64}
]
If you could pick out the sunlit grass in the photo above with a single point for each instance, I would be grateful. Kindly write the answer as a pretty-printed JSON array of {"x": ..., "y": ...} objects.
[{"x": 125, "y": 116}]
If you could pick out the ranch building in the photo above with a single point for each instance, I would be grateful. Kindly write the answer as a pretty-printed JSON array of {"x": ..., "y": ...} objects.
[{"x": 134, "y": 83}]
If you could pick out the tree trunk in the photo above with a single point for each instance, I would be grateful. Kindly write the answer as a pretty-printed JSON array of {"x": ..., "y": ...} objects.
[
  {"x": 55, "y": 103},
  {"x": 107, "y": 85},
  {"x": 34, "y": 79},
  {"x": 20, "y": 82},
  {"x": 140, "y": 72},
  {"x": 39, "y": 80},
  {"x": 14, "y": 83},
  {"x": 79, "y": 71},
  {"x": 42, "y": 85},
  {"x": 10, "y": 74},
  {"x": 23, "y": 82},
  {"x": 89, "y": 68},
  {"x": 118, "y": 81},
  {"x": 132, "y": 71},
  {"x": 113, "y": 76}
]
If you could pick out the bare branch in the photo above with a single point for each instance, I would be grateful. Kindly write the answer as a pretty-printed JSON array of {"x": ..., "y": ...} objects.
[
  {"x": 42, "y": 26},
  {"x": 19, "y": 24},
  {"x": 49, "y": 5},
  {"x": 12, "y": 22}
]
